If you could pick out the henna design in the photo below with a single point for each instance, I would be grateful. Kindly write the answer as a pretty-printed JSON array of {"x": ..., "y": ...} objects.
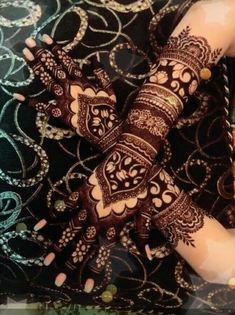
[
  {"x": 80, "y": 252},
  {"x": 118, "y": 186},
  {"x": 143, "y": 119},
  {"x": 173, "y": 78},
  {"x": 101, "y": 260},
  {"x": 181, "y": 219},
  {"x": 74, "y": 227},
  {"x": 67, "y": 236},
  {"x": 67, "y": 62},
  {"x": 111, "y": 233},
  {"x": 95, "y": 117},
  {"x": 90, "y": 232},
  {"x": 86, "y": 108},
  {"x": 175, "y": 214}
]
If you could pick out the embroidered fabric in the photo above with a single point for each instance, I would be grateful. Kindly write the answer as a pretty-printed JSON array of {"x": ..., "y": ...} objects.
[{"x": 196, "y": 153}]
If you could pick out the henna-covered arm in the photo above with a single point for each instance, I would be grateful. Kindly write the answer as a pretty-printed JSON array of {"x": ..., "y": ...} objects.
[{"x": 197, "y": 43}]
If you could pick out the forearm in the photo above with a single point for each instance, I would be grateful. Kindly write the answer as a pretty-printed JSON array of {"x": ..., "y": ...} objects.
[
  {"x": 214, "y": 253},
  {"x": 198, "y": 42}
]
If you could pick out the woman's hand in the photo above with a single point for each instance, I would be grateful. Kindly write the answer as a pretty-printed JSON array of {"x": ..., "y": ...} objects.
[
  {"x": 87, "y": 108},
  {"x": 115, "y": 192}
]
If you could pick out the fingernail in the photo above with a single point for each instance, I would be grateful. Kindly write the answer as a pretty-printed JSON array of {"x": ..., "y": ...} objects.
[
  {"x": 40, "y": 225},
  {"x": 89, "y": 285},
  {"x": 19, "y": 97},
  {"x": 60, "y": 279},
  {"x": 47, "y": 39},
  {"x": 148, "y": 252},
  {"x": 28, "y": 55},
  {"x": 30, "y": 42},
  {"x": 49, "y": 259}
]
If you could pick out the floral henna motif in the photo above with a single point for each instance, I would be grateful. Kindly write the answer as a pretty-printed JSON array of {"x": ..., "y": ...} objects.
[
  {"x": 143, "y": 119},
  {"x": 95, "y": 117}
]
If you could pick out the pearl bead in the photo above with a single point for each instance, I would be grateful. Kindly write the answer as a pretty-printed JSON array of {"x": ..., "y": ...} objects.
[
  {"x": 111, "y": 288},
  {"x": 107, "y": 296},
  {"x": 231, "y": 283},
  {"x": 205, "y": 74},
  {"x": 21, "y": 227}
]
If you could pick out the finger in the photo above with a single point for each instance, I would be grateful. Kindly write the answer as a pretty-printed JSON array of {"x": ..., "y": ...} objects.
[
  {"x": 101, "y": 75},
  {"x": 49, "y": 108},
  {"x": 67, "y": 62},
  {"x": 70, "y": 202},
  {"x": 47, "y": 59},
  {"x": 96, "y": 267},
  {"x": 74, "y": 227},
  {"x": 101, "y": 258},
  {"x": 42, "y": 74},
  {"x": 143, "y": 224},
  {"x": 82, "y": 248},
  {"x": 72, "y": 230},
  {"x": 78, "y": 255}
]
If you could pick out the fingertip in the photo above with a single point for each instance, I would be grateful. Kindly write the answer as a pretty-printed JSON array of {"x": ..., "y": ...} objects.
[
  {"x": 60, "y": 279},
  {"x": 89, "y": 285},
  {"x": 19, "y": 97},
  {"x": 47, "y": 39},
  {"x": 28, "y": 55},
  {"x": 40, "y": 225},
  {"x": 30, "y": 42},
  {"x": 49, "y": 259},
  {"x": 148, "y": 252}
]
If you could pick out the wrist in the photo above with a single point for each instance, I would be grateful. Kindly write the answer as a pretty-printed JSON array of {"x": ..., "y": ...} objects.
[
  {"x": 110, "y": 138},
  {"x": 181, "y": 219},
  {"x": 138, "y": 148}
]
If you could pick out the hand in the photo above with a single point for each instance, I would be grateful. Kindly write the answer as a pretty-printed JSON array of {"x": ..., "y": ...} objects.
[
  {"x": 167, "y": 208},
  {"x": 105, "y": 206},
  {"x": 86, "y": 108}
]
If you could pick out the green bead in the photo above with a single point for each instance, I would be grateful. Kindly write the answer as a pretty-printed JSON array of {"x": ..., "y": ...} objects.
[
  {"x": 112, "y": 288},
  {"x": 21, "y": 227},
  {"x": 59, "y": 205},
  {"x": 107, "y": 296}
]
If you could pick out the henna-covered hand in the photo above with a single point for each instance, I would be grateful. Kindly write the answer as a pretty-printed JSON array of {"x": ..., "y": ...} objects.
[
  {"x": 111, "y": 196},
  {"x": 88, "y": 109}
]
